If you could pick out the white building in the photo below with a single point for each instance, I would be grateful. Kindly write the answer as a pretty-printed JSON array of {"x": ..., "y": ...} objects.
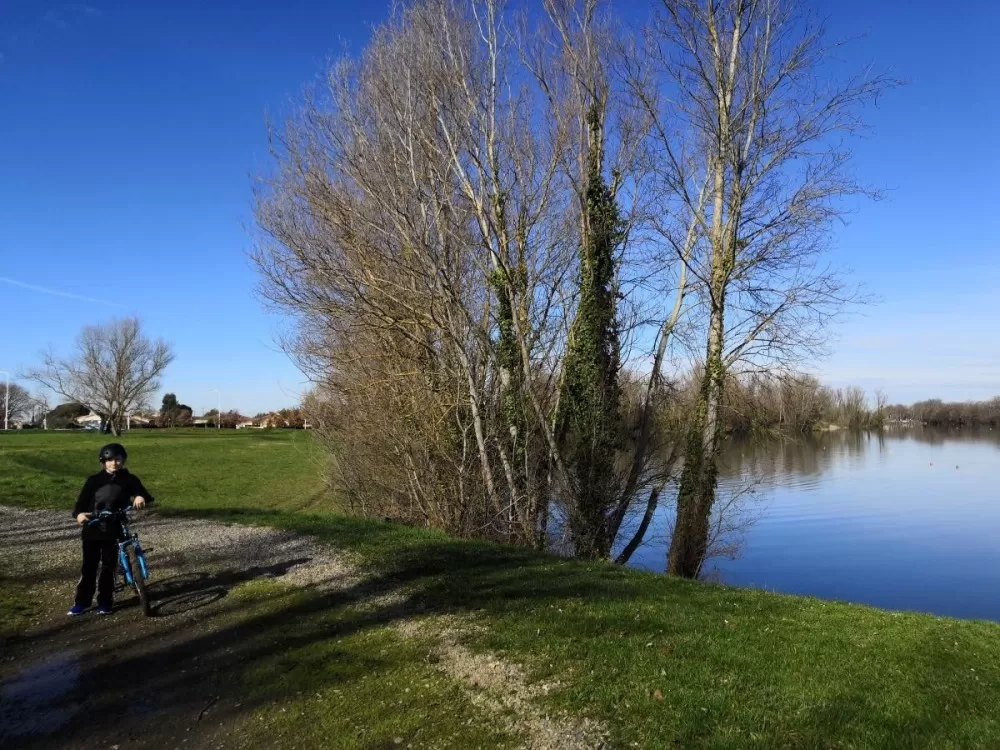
[{"x": 90, "y": 420}]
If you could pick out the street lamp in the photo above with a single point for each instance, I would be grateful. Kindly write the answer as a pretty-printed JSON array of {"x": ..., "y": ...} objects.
[
  {"x": 218, "y": 408},
  {"x": 6, "y": 400}
]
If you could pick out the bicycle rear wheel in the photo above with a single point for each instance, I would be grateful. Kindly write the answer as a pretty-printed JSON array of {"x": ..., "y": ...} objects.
[{"x": 139, "y": 581}]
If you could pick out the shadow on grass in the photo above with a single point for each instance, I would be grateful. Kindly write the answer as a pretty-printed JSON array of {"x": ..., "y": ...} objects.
[
  {"x": 53, "y": 463},
  {"x": 184, "y": 668},
  {"x": 185, "y": 592},
  {"x": 235, "y": 664}
]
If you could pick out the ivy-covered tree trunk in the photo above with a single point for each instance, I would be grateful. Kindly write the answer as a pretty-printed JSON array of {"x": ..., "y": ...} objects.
[
  {"x": 591, "y": 403},
  {"x": 513, "y": 411},
  {"x": 696, "y": 495}
]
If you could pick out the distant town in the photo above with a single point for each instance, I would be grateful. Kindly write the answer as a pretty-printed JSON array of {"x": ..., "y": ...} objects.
[{"x": 73, "y": 416}]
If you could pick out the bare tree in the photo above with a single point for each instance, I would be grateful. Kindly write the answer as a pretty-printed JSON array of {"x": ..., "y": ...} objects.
[
  {"x": 571, "y": 58},
  {"x": 417, "y": 230},
  {"x": 19, "y": 404},
  {"x": 39, "y": 408},
  {"x": 750, "y": 145},
  {"x": 380, "y": 236},
  {"x": 431, "y": 226},
  {"x": 454, "y": 212},
  {"x": 591, "y": 74},
  {"x": 114, "y": 371},
  {"x": 881, "y": 401}
]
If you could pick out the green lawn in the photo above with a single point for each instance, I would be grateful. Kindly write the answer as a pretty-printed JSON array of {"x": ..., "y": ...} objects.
[
  {"x": 663, "y": 662},
  {"x": 321, "y": 673},
  {"x": 17, "y": 608},
  {"x": 232, "y": 469}
]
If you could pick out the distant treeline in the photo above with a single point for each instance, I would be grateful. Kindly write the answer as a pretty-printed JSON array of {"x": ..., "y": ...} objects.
[
  {"x": 943, "y": 413},
  {"x": 796, "y": 403},
  {"x": 800, "y": 403}
]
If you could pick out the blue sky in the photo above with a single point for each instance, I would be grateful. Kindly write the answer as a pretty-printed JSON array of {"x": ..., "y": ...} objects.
[{"x": 130, "y": 131}]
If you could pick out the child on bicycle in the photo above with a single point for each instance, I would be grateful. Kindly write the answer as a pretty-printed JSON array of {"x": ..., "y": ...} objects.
[{"x": 113, "y": 488}]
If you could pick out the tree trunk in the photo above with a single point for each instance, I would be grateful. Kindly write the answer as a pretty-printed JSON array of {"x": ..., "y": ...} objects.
[
  {"x": 698, "y": 480},
  {"x": 541, "y": 522},
  {"x": 697, "y": 489},
  {"x": 591, "y": 402}
]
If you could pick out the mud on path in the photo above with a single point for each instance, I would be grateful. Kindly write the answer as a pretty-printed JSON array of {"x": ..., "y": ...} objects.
[
  {"x": 131, "y": 681},
  {"x": 172, "y": 680}
]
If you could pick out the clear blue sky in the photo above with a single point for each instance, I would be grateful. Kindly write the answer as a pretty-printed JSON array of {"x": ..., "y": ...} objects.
[{"x": 129, "y": 132}]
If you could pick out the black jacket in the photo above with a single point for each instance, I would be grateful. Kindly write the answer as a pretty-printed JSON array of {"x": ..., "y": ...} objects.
[{"x": 104, "y": 491}]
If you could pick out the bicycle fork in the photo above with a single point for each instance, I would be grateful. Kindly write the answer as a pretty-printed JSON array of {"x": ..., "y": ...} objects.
[{"x": 123, "y": 560}]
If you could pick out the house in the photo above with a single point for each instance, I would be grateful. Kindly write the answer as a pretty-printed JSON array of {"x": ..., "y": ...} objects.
[
  {"x": 248, "y": 423},
  {"x": 94, "y": 422},
  {"x": 285, "y": 418}
]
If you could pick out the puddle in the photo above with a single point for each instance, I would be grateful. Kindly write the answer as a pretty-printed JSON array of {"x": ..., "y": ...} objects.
[{"x": 32, "y": 702}]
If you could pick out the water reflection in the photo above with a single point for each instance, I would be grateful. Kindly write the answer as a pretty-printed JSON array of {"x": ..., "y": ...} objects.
[
  {"x": 942, "y": 435},
  {"x": 799, "y": 461},
  {"x": 906, "y": 519},
  {"x": 35, "y": 701}
]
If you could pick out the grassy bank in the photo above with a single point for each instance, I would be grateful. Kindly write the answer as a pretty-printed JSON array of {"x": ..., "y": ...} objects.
[
  {"x": 324, "y": 673},
  {"x": 17, "y": 608},
  {"x": 662, "y": 662}
]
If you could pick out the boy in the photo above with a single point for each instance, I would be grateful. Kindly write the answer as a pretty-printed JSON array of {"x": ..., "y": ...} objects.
[{"x": 112, "y": 488}]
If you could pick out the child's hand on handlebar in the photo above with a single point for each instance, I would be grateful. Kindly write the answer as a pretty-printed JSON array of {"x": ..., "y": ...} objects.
[
  {"x": 139, "y": 502},
  {"x": 83, "y": 518}
]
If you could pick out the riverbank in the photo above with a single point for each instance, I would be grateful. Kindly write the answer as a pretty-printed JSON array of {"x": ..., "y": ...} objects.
[{"x": 654, "y": 662}]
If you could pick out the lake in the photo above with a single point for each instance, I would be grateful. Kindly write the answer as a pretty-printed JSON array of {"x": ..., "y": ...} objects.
[{"x": 904, "y": 520}]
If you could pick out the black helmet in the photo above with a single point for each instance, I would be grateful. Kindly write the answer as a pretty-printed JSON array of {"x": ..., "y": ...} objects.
[{"x": 113, "y": 450}]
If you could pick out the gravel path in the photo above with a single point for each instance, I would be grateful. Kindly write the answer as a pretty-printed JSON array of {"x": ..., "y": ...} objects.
[
  {"x": 44, "y": 545},
  {"x": 65, "y": 670},
  {"x": 502, "y": 690}
]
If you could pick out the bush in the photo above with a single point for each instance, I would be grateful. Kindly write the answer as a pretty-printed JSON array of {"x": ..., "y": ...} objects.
[{"x": 64, "y": 416}]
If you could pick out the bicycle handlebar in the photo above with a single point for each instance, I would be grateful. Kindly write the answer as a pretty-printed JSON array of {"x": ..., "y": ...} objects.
[{"x": 106, "y": 514}]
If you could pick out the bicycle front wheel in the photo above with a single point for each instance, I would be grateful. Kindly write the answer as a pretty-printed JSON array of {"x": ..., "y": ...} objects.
[{"x": 139, "y": 581}]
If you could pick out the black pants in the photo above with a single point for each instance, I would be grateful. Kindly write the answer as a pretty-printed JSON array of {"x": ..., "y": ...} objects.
[{"x": 105, "y": 555}]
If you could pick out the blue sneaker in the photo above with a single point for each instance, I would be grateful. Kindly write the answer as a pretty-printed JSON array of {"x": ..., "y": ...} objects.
[
  {"x": 104, "y": 610},
  {"x": 77, "y": 609}
]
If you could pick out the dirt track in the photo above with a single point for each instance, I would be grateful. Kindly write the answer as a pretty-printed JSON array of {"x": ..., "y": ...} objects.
[{"x": 131, "y": 681}]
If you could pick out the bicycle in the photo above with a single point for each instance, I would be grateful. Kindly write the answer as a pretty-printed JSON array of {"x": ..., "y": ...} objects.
[{"x": 132, "y": 566}]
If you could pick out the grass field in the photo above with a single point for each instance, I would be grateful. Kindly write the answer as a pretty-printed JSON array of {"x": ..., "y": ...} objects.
[
  {"x": 662, "y": 662},
  {"x": 17, "y": 608},
  {"x": 202, "y": 469}
]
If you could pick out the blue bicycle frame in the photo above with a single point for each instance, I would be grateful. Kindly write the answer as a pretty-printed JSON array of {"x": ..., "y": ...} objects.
[{"x": 126, "y": 539}]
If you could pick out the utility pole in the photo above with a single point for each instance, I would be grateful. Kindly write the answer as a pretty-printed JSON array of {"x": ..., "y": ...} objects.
[
  {"x": 6, "y": 400},
  {"x": 218, "y": 408}
]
